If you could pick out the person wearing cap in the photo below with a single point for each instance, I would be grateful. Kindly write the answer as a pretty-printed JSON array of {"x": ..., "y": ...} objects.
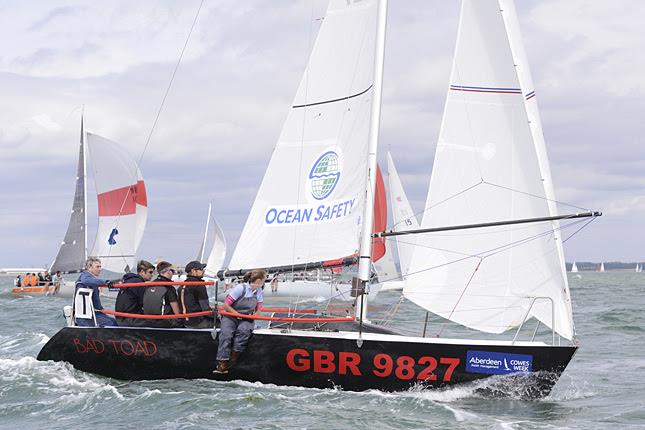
[
  {"x": 162, "y": 300},
  {"x": 194, "y": 298}
]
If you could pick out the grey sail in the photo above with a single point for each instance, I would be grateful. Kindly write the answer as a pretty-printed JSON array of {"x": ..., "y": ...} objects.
[{"x": 71, "y": 254}]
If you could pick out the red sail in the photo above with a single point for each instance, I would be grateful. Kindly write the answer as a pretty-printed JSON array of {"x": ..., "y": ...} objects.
[
  {"x": 380, "y": 217},
  {"x": 123, "y": 201}
]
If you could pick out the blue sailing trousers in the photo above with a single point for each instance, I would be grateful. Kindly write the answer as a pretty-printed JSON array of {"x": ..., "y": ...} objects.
[{"x": 234, "y": 335}]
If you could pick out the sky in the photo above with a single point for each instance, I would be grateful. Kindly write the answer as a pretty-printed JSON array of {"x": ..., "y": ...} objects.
[{"x": 233, "y": 89}]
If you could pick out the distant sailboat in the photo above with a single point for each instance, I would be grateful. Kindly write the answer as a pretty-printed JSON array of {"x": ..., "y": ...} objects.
[
  {"x": 602, "y": 267},
  {"x": 217, "y": 254},
  {"x": 574, "y": 268},
  {"x": 122, "y": 210},
  {"x": 638, "y": 268}
]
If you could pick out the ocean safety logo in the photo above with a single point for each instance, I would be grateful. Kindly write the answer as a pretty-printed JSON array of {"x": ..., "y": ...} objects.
[
  {"x": 498, "y": 363},
  {"x": 324, "y": 175}
]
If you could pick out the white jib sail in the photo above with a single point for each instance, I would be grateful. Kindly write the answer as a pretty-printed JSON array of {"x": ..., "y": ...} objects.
[
  {"x": 310, "y": 203},
  {"x": 122, "y": 204},
  {"x": 487, "y": 168},
  {"x": 402, "y": 217},
  {"x": 218, "y": 251}
]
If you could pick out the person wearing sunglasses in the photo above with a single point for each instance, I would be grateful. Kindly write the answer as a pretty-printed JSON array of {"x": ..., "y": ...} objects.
[
  {"x": 130, "y": 300},
  {"x": 194, "y": 298},
  {"x": 162, "y": 300}
]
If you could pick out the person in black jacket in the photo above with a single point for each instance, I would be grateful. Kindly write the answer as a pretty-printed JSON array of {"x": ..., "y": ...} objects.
[
  {"x": 194, "y": 298},
  {"x": 130, "y": 300}
]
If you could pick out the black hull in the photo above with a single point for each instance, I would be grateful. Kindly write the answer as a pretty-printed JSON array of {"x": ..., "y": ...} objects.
[{"x": 317, "y": 360}]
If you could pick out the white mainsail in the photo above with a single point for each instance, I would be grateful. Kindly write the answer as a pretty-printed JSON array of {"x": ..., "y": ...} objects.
[
  {"x": 309, "y": 206},
  {"x": 574, "y": 268},
  {"x": 602, "y": 267},
  {"x": 202, "y": 247},
  {"x": 402, "y": 217},
  {"x": 72, "y": 251},
  {"x": 490, "y": 165},
  {"x": 122, "y": 204}
]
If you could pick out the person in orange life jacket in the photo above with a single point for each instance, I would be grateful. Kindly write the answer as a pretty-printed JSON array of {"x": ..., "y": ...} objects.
[
  {"x": 33, "y": 281},
  {"x": 89, "y": 279},
  {"x": 26, "y": 279},
  {"x": 130, "y": 300},
  {"x": 245, "y": 298},
  {"x": 194, "y": 298},
  {"x": 162, "y": 300}
]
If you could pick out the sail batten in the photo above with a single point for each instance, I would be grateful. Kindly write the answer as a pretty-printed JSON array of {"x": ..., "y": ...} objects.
[{"x": 487, "y": 139}]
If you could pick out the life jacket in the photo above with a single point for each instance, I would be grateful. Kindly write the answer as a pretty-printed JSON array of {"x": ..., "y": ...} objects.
[
  {"x": 154, "y": 300},
  {"x": 34, "y": 281},
  {"x": 25, "y": 281}
]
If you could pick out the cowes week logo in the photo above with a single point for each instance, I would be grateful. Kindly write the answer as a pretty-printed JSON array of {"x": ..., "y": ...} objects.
[{"x": 322, "y": 180}]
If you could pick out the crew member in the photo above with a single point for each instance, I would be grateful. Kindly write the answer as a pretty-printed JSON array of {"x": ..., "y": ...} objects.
[
  {"x": 162, "y": 300},
  {"x": 194, "y": 298},
  {"x": 89, "y": 279},
  {"x": 130, "y": 299},
  {"x": 17, "y": 282},
  {"x": 245, "y": 298},
  {"x": 33, "y": 281},
  {"x": 57, "y": 282}
]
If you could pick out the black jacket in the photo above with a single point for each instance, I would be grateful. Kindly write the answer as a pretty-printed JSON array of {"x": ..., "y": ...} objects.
[
  {"x": 193, "y": 299},
  {"x": 170, "y": 295},
  {"x": 130, "y": 300}
]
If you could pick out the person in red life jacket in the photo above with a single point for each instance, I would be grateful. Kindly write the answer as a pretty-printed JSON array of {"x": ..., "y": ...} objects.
[
  {"x": 194, "y": 298},
  {"x": 162, "y": 300},
  {"x": 245, "y": 298},
  {"x": 89, "y": 279},
  {"x": 130, "y": 299}
]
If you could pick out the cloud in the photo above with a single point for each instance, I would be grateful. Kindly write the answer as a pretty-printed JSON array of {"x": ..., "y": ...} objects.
[{"x": 234, "y": 87}]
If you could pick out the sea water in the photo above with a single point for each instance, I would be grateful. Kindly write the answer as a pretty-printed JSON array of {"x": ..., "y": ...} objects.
[{"x": 603, "y": 387}]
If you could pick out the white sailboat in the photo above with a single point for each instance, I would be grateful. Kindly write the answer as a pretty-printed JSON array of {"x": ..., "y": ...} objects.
[
  {"x": 122, "y": 211},
  {"x": 574, "y": 268},
  {"x": 316, "y": 201},
  {"x": 638, "y": 268},
  {"x": 602, "y": 267}
]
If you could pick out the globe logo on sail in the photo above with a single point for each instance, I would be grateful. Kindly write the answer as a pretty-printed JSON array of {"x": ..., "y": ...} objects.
[{"x": 324, "y": 175}]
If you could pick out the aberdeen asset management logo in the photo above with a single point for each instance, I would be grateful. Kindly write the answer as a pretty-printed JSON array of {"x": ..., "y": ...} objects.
[{"x": 324, "y": 175}]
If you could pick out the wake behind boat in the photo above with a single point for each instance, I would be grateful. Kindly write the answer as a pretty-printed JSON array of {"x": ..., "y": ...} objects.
[{"x": 487, "y": 255}]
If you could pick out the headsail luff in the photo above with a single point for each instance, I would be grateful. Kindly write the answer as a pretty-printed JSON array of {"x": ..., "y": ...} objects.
[
  {"x": 202, "y": 247},
  {"x": 488, "y": 168},
  {"x": 310, "y": 204},
  {"x": 72, "y": 252},
  {"x": 122, "y": 204}
]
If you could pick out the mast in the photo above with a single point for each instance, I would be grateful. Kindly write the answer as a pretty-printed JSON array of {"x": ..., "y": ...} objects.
[
  {"x": 365, "y": 251},
  {"x": 84, "y": 187}
]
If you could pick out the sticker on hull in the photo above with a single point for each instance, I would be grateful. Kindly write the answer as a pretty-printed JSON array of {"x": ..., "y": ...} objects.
[{"x": 498, "y": 363}]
